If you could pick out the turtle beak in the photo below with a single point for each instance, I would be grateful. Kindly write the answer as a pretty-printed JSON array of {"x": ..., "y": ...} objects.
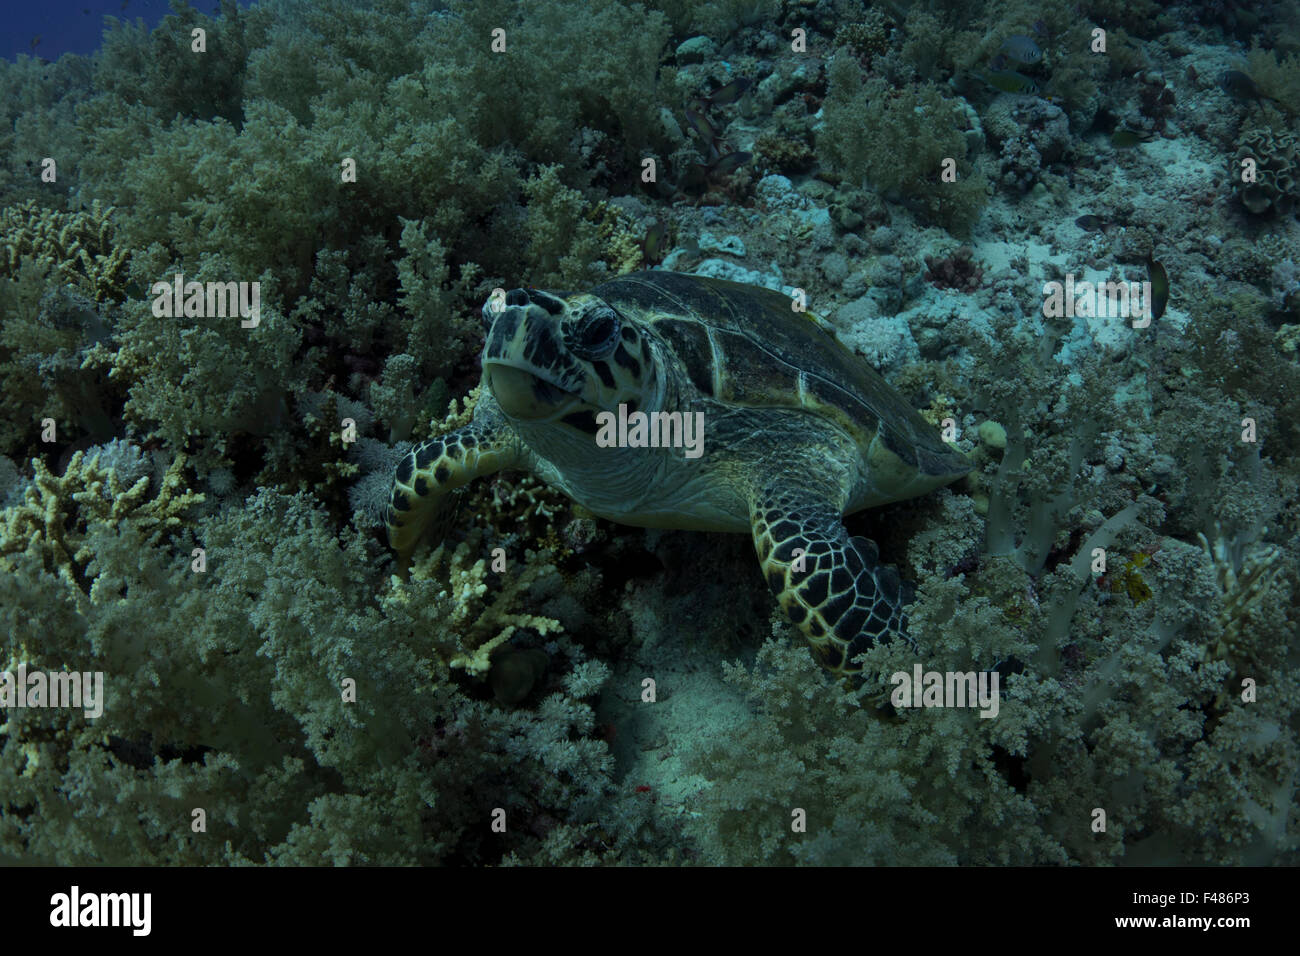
[{"x": 523, "y": 395}]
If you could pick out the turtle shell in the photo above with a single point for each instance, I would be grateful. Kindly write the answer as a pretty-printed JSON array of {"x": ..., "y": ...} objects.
[{"x": 745, "y": 345}]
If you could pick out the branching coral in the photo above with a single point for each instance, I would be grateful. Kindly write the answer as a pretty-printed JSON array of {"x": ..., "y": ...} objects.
[
  {"x": 209, "y": 377},
  {"x": 323, "y": 712},
  {"x": 864, "y": 118},
  {"x": 1278, "y": 77},
  {"x": 229, "y": 690},
  {"x": 1120, "y": 721},
  {"x": 870, "y": 785},
  {"x": 623, "y": 242},
  {"x": 868, "y": 38},
  {"x": 53, "y": 520},
  {"x": 479, "y": 611},
  {"x": 54, "y": 356},
  {"x": 76, "y": 247},
  {"x": 572, "y": 240},
  {"x": 1245, "y": 581},
  {"x": 783, "y": 154}
]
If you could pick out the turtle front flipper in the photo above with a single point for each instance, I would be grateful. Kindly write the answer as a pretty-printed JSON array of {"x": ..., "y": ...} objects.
[
  {"x": 841, "y": 596},
  {"x": 423, "y": 500}
]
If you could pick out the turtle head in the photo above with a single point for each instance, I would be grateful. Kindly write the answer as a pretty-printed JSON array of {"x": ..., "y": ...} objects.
[{"x": 550, "y": 359}]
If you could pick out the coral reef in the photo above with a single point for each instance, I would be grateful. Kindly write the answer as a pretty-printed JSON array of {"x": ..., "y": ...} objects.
[
  {"x": 183, "y": 508},
  {"x": 1244, "y": 582},
  {"x": 864, "y": 116},
  {"x": 1278, "y": 76},
  {"x": 1031, "y": 136},
  {"x": 478, "y": 627},
  {"x": 958, "y": 271},
  {"x": 74, "y": 247},
  {"x": 1275, "y": 150},
  {"x": 58, "y": 516},
  {"x": 54, "y": 362},
  {"x": 867, "y": 38},
  {"x": 229, "y": 692}
]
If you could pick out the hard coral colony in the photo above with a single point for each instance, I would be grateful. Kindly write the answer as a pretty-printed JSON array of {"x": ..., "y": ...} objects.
[{"x": 975, "y": 324}]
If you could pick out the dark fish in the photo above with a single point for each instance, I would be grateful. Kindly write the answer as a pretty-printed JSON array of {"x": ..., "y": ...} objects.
[
  {"x": 725, "y": 95},
  {"x": 1241, "y": 87},
  {"x": 1009, "y": 81},
  {"x": 1040, "y": 27},
  {"x": 1091, "y": 223},
  {"x": 703, "y": 129},
  {"x": 999, "y": 62},
  {"x": 652, "y": 247},
  {"x": 1128, "y": 138},
  {"x": 1159, "y": 287},
  {"x": 36, "y": 40},
  {"x": 1022, "y": 49},
  {"x": 731, "y": 162}
]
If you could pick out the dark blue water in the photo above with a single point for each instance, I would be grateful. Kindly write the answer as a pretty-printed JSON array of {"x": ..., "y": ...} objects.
[{"x": 56, "y": 27}]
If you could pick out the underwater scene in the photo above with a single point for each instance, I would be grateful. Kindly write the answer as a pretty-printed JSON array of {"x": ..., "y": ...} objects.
[{"x": 590, "y": 432}]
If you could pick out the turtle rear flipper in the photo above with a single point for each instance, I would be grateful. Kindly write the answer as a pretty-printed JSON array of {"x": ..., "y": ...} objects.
[{"x": 841, "y": 596}]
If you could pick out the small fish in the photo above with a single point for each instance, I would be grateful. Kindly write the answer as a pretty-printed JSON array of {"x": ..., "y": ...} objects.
[
  {"x": 731, "y": 162},
  {"x": 1091, "y": 223},
  {"x": 703, "y": 129},
  {"x": 1128, "y": 138},
  {"x": 733, "y": 91},
  {"x": 999, "y": 62},
  {"x": 652, "y": 246},
  {"x": 1241, "y": 87},
  {"x": 1040, "y": 27},
  {"x": 1009, "y": 81},
  {"x": 36, "y": 40},
  {"x": 1022, "y": 49},
  {"x": 1159, "y": 287}
]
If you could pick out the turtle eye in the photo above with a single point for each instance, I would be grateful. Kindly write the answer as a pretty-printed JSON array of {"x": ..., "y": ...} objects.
[{"x": 596, "y": 335}]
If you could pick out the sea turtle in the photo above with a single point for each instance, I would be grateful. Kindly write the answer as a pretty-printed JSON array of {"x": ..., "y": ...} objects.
[{"x": 798, "y": 432}]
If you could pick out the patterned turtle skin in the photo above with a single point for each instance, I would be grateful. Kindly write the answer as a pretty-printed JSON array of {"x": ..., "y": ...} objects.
[{"x": 798, "y": 432}]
